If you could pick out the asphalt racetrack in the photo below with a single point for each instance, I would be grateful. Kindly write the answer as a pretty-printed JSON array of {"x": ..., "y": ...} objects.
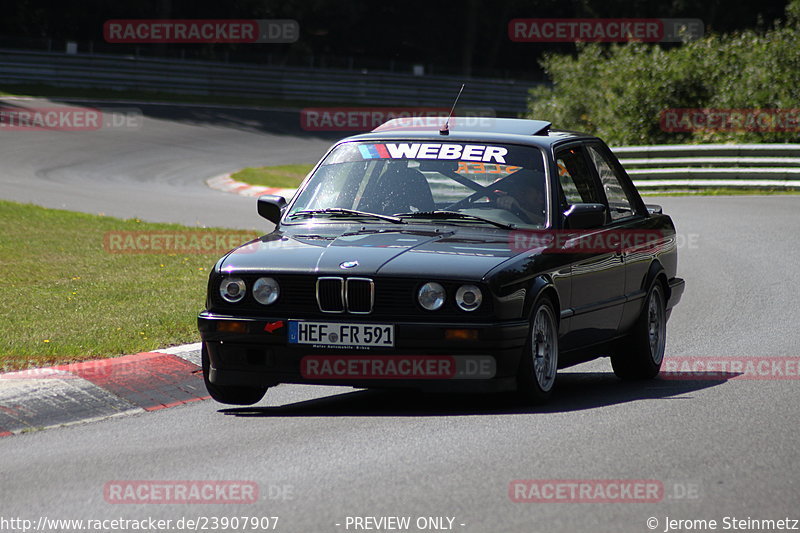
[
  {"x": 720, "y": 448},
  {"x": 156, "y": 167}
]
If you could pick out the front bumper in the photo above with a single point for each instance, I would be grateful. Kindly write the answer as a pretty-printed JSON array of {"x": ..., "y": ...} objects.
[{"x": 258, "y": 354}]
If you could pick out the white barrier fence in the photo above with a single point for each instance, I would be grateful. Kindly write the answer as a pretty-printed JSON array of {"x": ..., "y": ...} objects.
[
  {"x": 712, "y": 165},
  {"x": 259, "y": 81}
]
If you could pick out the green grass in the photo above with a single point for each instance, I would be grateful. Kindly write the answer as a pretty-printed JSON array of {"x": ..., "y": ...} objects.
[
  {"x": 66, "y": 298},
  {"x": 283, "y": 176}
]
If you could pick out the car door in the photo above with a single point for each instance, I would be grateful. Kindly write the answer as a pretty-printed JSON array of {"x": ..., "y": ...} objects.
[
  {"x": 628, "y": 218},
  {"x": 597, "y": 272}
]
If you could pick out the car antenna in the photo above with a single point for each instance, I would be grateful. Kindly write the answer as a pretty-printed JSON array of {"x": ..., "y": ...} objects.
[{"x": 445, "y": 129}]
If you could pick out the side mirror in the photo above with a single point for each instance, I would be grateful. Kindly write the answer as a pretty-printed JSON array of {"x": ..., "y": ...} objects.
[
  {"x": 271, "y": 207},
  {"x": 585, "y": 216}
]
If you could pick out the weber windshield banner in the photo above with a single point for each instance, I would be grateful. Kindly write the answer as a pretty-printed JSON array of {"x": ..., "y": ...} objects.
[{"x": 490, "y": 155}]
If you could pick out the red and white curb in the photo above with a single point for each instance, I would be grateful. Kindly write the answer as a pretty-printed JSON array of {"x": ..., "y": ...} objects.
[
  {"x": 60, "y": 395},
  {"x": 226, "y": 183}
]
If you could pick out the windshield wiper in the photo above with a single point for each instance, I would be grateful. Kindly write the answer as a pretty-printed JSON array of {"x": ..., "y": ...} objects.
[
  {"x": 339, "y": 211},
  {"x": 455, "y": 215}
]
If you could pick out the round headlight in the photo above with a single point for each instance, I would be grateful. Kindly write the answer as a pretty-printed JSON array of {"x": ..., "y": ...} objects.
[
  {"x": 232, "y": 289},
  {"x": 266, "y": 290},
  {"x": 431, "y": 296},
  {"x": 469, "y": 297}
]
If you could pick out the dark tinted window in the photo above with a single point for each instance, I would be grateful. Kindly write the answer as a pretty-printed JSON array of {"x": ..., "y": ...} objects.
[
  {"x": 576, "y": 177},
  {"x": 619, "y": 201}
]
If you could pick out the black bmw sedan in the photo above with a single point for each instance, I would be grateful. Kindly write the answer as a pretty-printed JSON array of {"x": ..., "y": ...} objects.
[{"x": 479, "y": 256}]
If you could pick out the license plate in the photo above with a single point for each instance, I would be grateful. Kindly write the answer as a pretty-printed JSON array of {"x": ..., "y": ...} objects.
[{"x": 341, "y": 334}]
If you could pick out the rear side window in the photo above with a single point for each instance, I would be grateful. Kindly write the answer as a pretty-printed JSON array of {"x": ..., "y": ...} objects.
[
  {"x": 576, "y": 178},
  {"x": 619, "y": 202}
]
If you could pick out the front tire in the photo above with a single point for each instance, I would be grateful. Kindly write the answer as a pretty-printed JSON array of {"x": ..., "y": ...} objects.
[
  {"x": 536, "y": 376},
  {"x": 226, "y": 393},
  {"x": 640, "y": 354}
]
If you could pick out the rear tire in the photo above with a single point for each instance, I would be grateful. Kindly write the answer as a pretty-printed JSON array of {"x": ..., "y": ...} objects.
[
  {"x": 640, "y": 354},
  {"x": 226, "y": 393},
  {"x": 536, "y": 376}
]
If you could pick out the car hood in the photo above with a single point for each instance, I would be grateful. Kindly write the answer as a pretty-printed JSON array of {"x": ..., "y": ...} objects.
[{"x": 450, "y": 252}]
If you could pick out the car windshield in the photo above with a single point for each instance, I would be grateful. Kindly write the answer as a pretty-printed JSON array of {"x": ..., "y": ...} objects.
[{"x": 452, "y": 183}]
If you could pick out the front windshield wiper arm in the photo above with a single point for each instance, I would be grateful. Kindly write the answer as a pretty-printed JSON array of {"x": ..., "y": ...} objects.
[
  {"x": 444, "y": 215},
  {"x": 340, "y": 211}
]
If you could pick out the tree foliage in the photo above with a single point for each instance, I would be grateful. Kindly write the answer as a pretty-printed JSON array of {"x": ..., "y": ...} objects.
[{"x": 618, "y": 92}]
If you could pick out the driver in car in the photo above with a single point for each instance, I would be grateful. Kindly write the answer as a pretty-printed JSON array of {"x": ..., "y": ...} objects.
[{"x": 522, "y": 193}]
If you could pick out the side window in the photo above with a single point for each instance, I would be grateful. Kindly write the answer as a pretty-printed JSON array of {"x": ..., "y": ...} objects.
[
  {"x": 568, "y": 187},
  {"x": 575, "y": 177},
  {"x": 619, "y": 203}
]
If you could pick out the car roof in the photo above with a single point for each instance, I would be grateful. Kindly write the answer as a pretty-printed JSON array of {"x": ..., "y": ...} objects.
[{"x": 470, "y": 129}]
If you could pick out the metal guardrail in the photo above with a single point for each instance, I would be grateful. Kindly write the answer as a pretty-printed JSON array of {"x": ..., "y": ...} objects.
[
  {"x": 648, "y": 166},
  {"x": 257, "y": 81},
  {"x": 725, "y": 165},
  {"x": 712, "y": 165}
]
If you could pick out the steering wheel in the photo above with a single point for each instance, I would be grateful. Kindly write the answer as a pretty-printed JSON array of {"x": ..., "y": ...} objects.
[
  {"x": 518, "y": 212},
  {"x": 492, "y": 195}
]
